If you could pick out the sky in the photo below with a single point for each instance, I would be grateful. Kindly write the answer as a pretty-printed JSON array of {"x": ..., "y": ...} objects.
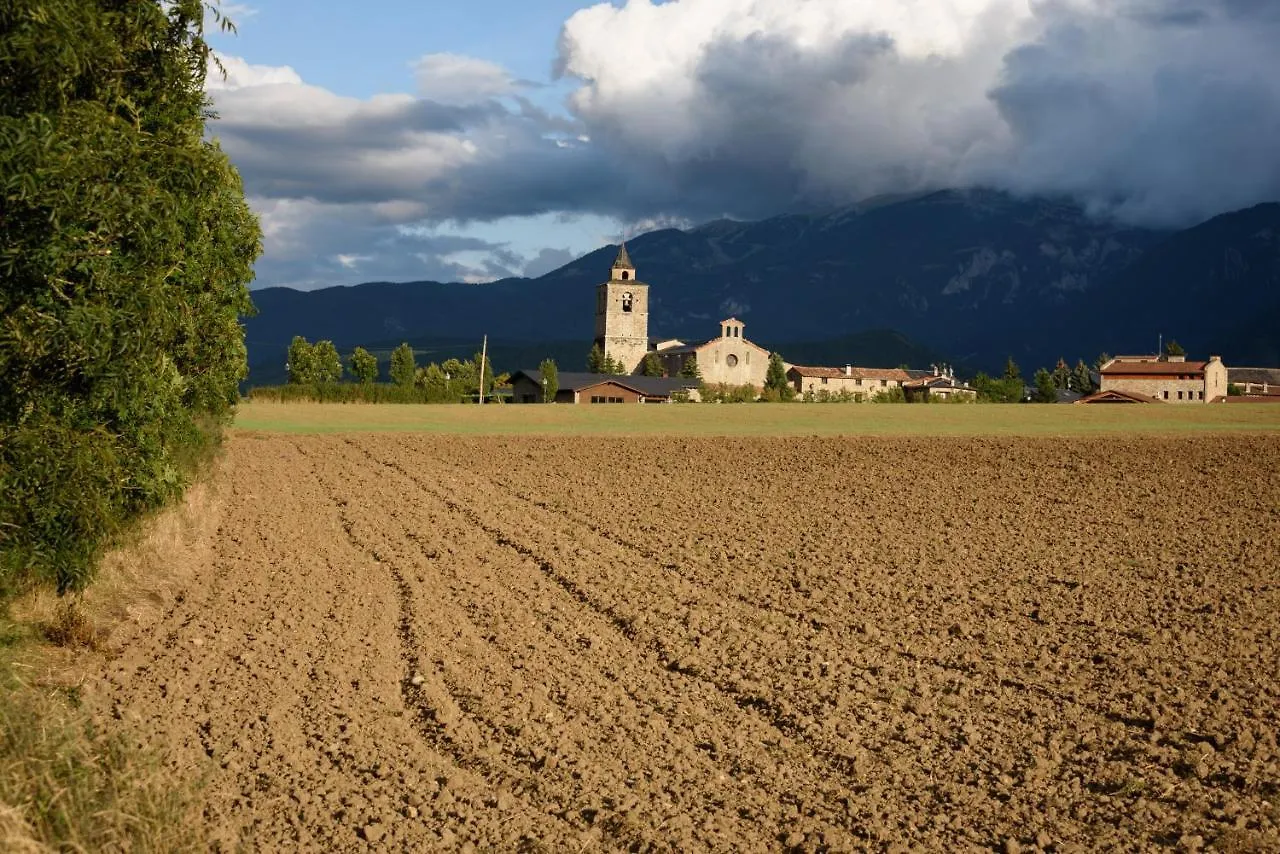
[{"x": 469, "y": 140}]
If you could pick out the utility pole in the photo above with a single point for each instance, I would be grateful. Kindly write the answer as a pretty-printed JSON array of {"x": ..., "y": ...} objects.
[{"x": 484, "y": 360}]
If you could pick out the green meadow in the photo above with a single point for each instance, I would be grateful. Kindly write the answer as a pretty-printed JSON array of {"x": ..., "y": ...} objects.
[{"x": 793, "y": 419}]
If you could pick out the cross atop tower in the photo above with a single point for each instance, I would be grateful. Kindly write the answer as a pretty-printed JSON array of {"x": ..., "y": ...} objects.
[{"x": 623, "y": 269}]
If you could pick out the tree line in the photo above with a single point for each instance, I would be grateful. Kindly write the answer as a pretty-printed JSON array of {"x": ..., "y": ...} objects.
[{"x": 317, "y": 372}]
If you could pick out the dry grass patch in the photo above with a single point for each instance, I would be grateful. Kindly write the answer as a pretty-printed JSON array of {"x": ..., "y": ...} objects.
[{"x": 67, "y": 784}]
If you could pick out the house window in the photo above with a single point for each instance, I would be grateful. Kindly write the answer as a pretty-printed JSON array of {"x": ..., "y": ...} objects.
[
  {"x": 626, "y": 300},
  {"x": 1166, "y": 395},
  {"x": 1201, "y": 395},
  {"x": 625, "y": 275},
  {"x": 883, "y": 383},
  {"x": 616, "y": 400},
  {"x": 1179, "y": 395},
  {"x": 824, "y": 380},
  {"x": 858, "y": 381},
  {"x": 595, "y": 398},
  {"x": 731, "y": 360},
  {"x": 748, "y": 357}
]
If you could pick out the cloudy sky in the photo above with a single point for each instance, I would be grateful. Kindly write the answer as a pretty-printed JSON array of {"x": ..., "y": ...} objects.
[{"x": 466, "y": 141}]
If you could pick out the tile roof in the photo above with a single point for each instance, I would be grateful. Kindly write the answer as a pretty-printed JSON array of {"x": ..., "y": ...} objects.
[
  {"x": 1116, "y": 396},
  {"x": 648, "y": 386},
  {"x": 1161, "y": 369},
  {"x": 1271, "y": 376}
]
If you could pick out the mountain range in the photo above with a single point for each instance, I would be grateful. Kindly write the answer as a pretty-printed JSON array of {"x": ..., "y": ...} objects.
[{"x": 969, "y": 276}]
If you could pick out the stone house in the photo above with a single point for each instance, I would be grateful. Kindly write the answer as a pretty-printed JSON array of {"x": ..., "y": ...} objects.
[
  {"x": 862, "y": 383},
  {"x": 1170, "y": 379},
  {"x": 730, "y": 359},
  {"x": 937, "y": 385}
]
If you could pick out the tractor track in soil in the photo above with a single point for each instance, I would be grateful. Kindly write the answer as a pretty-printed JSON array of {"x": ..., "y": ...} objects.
[{"x": 411, "y": 642}]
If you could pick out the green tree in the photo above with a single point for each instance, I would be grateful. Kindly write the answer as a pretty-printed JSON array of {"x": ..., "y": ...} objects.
[
  {"x": 476, "y": 375},
  {"x": 689, "y": 370},
  {"x": 1062, "y": 374},
  {"x": 1102, "y": 359},
  {"x": 1081, "y": 379},
  {"x": 1046, "y": 388},
  {"x": 1234, "y": 390},
  {"x": 326, "y": 362},
  {"x": 126, "y": 248},
  {"x": 652, "y": 365},
  {"x": 775, "y": 378},
  {"x": 550, "y": 380},
  {"x": 991, "y": 390},
  {"x": 301, "y": 362},
  {"x": 404, "y": 367},
  {"x": 596, "y": 360},
  {"x": 1011, "y": 370},
  {"x": 1173, "y": 348},
  {"x": 432, "y": 382},
  {"x": 364, "y": 366},
  {"x": 614, "y": 366}
]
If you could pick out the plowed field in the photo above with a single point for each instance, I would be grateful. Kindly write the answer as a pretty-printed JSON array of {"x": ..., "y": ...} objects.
[{"x": 423, "y": 642}]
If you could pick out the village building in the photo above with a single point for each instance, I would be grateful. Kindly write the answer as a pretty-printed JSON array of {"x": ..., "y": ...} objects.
[
  {"x": 1169, "y": 379},
  {"x": 862, "y": 383},
  {"x": 730, "y": 359},
  {"x": 1255, "y": 382},
  {"x": 526, "y": 387},
  {"x": 936, "y": 384}
]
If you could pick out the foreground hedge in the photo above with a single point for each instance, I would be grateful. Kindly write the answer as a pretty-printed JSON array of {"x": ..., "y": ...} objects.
[{"x": 126, "y": 248}]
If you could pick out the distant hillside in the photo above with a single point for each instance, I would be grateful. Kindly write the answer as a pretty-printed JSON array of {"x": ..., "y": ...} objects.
[
  {"x": 968, "y": 276},
  {"x": 1214, "y": 287}
]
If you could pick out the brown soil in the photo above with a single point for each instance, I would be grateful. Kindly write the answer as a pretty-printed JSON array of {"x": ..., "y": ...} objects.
[{"x": 423, "y": 642}]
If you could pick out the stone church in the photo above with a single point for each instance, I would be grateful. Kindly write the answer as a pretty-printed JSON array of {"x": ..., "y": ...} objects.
[{"x": 622, "y": 332}]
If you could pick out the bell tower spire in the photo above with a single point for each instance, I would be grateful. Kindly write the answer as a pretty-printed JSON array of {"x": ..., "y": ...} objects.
[{"x": 623, "y": 269}]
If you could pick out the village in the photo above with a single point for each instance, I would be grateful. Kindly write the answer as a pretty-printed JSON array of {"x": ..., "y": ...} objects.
[{"x": 648, "y": 369}]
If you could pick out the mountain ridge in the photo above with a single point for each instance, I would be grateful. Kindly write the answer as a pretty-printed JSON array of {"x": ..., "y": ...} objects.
[{"x": 972, "y": 275}]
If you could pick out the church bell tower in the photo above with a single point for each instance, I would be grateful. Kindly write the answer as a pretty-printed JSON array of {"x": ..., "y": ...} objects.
[{"x": 622, "y": 314}]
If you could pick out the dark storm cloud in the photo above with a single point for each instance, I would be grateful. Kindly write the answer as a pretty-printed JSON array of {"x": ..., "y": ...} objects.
[{"x": 1153, "y": 111}]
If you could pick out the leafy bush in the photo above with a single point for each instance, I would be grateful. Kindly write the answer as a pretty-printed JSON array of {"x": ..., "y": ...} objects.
[
  {"x": 127, "y": 250},
  {"x": 340, "y": 393},
  {"x": 725, "y": 393}
]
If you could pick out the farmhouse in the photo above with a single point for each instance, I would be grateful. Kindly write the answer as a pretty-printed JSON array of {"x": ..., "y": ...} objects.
[
  {"x": 937, "y": 383},
  {"x": 1170, "y": 379},
  {"x": 862, "y": 383},
  {"x": 526, "y": 387},
  {"x": 1255, "y": 382}
]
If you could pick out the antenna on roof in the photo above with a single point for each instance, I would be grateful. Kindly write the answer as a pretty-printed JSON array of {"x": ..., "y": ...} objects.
[{"x": 1160, "y": 346}]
